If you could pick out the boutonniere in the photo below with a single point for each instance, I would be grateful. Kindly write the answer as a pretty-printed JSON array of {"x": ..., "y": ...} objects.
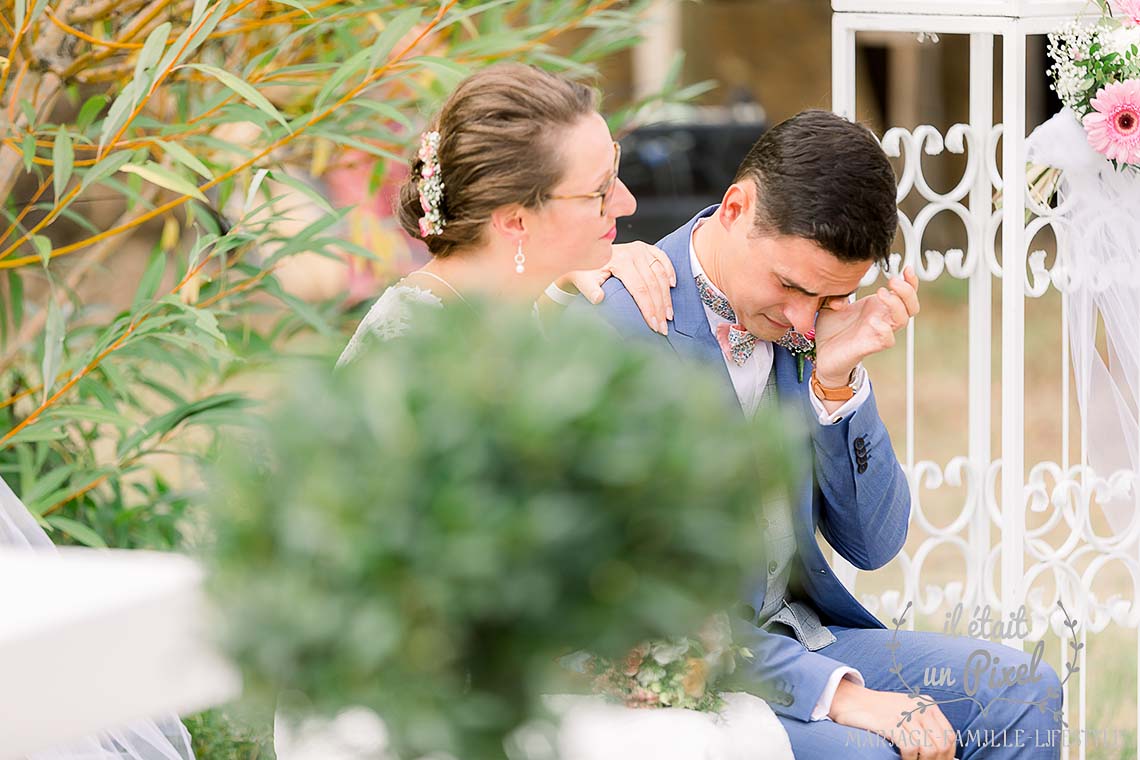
[{"x": 802, "y": 346}]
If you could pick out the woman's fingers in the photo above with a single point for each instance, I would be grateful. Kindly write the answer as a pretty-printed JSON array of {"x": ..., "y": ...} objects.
[
  {"x": 646, "y": 273},
  {"x": 646, "y": 293},
  {"x": 648, "y": 278},
  {"x": 666, "y": 279},
  {"x": 589, "y": 282},
  {"x": 670, "y": 272}
]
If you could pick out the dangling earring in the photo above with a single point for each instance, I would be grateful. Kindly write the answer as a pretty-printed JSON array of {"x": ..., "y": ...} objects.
[{"x": 520, "y": 259}]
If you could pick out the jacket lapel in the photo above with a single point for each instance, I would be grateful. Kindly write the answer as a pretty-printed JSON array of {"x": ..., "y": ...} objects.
[
  {"x": 689, "y": 332},
  {"x": 788, "y": 383}
]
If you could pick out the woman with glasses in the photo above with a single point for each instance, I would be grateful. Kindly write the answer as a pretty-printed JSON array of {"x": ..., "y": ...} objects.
[{"x": 515, "y": 191}]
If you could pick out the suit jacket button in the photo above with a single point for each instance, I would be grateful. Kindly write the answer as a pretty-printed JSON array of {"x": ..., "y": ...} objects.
[
  {"x": 862, "y": 467},
  {"x": 772, "y": 566},
  {"x": 860, "y": 444}
]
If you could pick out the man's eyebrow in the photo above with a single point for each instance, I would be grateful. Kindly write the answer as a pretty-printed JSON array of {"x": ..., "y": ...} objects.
[{"x": 789, "y": 284}]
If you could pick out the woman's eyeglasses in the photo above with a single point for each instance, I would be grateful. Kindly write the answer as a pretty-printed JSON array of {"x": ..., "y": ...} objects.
[{"x": 606, "y": 191}]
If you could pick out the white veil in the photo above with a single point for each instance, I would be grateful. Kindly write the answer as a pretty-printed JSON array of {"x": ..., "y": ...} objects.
[
  {"x": 161, "y": 739},
  {"x": 1099, "y": 223}
]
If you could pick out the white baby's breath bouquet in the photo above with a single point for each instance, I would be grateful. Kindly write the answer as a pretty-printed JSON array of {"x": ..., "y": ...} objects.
[{"x": 1096, "y": 74}]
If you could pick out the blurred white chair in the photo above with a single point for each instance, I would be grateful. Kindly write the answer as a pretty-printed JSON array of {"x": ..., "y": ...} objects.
[{"x": 94, "y": 639}]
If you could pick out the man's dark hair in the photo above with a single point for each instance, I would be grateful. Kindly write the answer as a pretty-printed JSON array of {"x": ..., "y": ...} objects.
[{"x": 825, "y": 179}]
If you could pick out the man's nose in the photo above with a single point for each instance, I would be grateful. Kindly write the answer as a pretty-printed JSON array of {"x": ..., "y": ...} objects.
[{"x": 801, "y": 313}]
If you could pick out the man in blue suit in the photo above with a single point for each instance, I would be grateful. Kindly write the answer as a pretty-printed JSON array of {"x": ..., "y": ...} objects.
[{"x": 811, "y": 208}]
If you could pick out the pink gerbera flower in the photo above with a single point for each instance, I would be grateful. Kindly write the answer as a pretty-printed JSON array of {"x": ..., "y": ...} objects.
[
  {"x": 1114, "y": 127},
  {"x": 1128, "y": 11}
]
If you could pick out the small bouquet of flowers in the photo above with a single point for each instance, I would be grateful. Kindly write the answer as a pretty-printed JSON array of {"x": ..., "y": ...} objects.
[
  {"x": 1083, "y": 181},
  {"x": 1096, "y": 74},
  {"x": 682, "y": 672},
  {"x": 802, "y": 346}
]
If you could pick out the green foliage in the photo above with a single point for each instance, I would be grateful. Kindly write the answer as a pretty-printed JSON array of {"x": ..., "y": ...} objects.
[
  {"x": 427, "y": 530},
  {"x": 1086, "y": 58},
  {"x": 108, "y": 396},
  {"x": 219, "y": 735}
]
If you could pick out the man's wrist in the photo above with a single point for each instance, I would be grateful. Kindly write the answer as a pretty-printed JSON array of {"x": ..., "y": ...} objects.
[
  {"x": 833, "y": 379},
  {"x": 847, "y": 695}
]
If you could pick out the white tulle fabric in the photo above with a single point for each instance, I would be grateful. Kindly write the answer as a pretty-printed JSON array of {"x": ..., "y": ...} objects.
[
  {"x": 160, "y": 739},
  {"x": 1099, "y": 234}
]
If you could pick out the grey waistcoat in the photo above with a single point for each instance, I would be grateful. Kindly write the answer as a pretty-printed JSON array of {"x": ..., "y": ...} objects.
[{"x": 778, "y": 608}]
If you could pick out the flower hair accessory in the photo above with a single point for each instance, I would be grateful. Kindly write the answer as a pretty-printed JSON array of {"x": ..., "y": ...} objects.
[{"x": 431, "y": 186}]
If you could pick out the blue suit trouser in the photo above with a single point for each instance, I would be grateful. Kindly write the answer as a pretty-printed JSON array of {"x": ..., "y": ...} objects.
[{"x": 993, "y": 715}]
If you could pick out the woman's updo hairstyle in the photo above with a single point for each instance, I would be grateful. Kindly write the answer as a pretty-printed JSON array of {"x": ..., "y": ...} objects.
[{"x": 498, "y": 146}]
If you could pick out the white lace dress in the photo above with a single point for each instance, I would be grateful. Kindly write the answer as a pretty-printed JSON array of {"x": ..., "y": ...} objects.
[
  {"x": 390, "y": 317},
  {"x": 591, "y": 728}
]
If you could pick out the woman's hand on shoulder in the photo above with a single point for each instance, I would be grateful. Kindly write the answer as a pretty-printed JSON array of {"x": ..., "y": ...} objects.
[{"x": 646, "y": 273}]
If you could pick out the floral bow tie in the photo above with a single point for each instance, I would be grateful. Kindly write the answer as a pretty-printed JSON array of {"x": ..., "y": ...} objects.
[{"x": 737, "y": 343}]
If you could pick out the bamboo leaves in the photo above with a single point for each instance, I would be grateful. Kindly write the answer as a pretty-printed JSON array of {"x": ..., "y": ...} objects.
[
  {"x": 219, "y": 102},
  {"x": 63, "y": 159},
  {"x": 151, "y": 278},
  {"x": 182, "y": 155},
  {"x": 78, "y": 531},
  {"x": 120, "y": 111},
  {"x": 145, "y": 69},
  {"x": 92, "y": 107},
  {"x": 394, "y": 31},
  {"x": 243, "y": 89},
  {"x": 159, "y": 175},
  {"x": 53, "y": 346},
  {"x": 104, "y": 169}
]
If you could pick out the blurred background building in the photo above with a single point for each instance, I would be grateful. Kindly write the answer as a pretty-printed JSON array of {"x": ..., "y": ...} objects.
[{"x": 769, "y": 59}]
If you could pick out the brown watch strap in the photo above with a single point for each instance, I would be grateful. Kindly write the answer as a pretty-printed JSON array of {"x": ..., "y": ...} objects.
[{"x": 831, "y": 394}]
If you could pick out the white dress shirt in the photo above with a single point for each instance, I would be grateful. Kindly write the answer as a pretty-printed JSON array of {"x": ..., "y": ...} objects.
[{"x": 749, "y": 380}]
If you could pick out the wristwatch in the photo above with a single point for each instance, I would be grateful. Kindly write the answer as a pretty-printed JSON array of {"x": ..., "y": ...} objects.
[{"x": 831, "y": 394}]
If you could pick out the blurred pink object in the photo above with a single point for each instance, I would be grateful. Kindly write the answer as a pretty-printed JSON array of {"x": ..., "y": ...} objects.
[
  {"x": 1128, "y": 11},
  {"x": 371, "y": 224},
  {"x": 1114, "y": 127}
]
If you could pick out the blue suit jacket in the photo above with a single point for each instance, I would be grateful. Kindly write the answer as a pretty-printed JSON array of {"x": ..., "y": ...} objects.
[{"x": 863, "y": 514}]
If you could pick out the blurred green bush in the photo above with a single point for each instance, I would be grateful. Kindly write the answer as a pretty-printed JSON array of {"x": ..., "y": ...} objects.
[{"x": 427, "y": 530}]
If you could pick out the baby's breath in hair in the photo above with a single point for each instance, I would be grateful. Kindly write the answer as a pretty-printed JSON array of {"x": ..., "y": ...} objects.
[{"x": 431, "y": 186}]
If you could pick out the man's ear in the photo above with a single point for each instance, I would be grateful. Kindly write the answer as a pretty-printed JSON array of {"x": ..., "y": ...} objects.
[
  {"x": 738, "y": 204},
  {"x": 509, "y": 223}
]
